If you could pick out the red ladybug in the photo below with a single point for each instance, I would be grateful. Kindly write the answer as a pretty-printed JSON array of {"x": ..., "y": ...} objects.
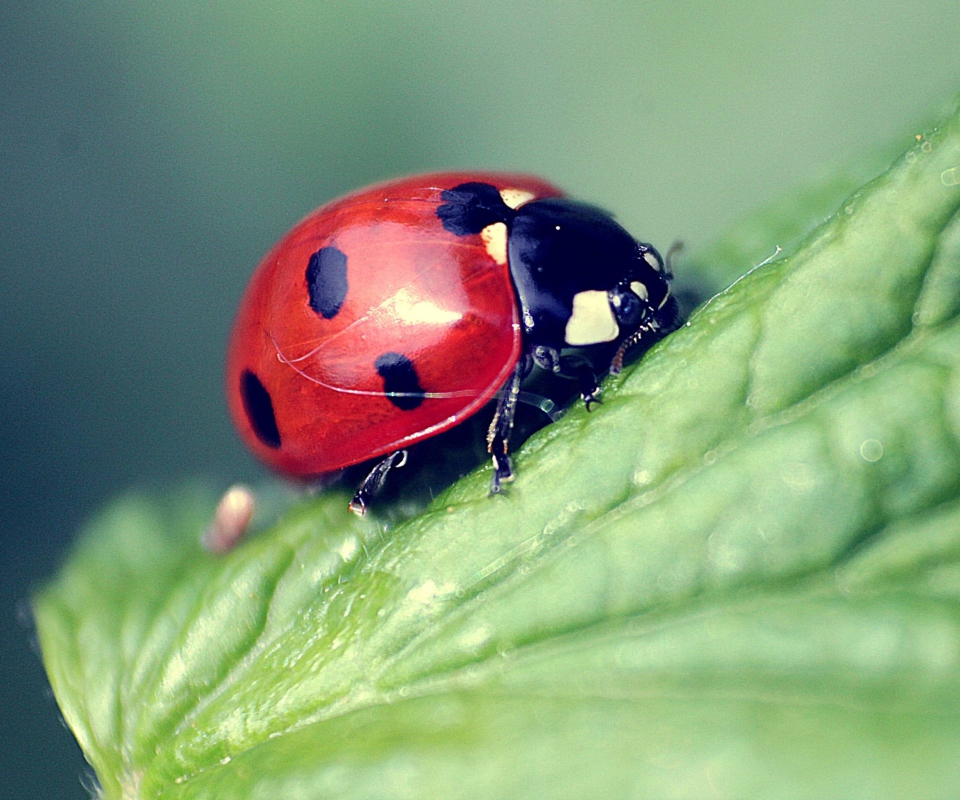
[{"x": 396, "y": 312}]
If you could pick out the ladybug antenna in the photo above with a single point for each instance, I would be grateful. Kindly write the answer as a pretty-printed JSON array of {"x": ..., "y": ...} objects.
[{"x": 675, "y": 249}]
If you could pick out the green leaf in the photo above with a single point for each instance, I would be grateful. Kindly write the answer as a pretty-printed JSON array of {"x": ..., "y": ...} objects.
[{"x": 738, "y": 578}]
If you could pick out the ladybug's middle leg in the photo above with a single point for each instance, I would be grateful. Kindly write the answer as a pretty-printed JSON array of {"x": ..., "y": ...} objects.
[{"x": 498, "y": 435}]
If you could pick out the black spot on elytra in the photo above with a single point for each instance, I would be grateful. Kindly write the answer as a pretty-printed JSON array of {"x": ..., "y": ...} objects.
[
  {"x": 470, "y": 207},
  {"x": 327, "y": 281},
  {"x": 259, "y": 408},
  {"x": 400, "y": 381}
]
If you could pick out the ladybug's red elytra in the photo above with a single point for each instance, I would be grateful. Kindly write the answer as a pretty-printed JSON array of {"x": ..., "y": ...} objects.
[{"x": 396, "y": 312}]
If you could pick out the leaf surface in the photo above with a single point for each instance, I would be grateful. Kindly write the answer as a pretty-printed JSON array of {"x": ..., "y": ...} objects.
[{"x": 739, "y": 577}]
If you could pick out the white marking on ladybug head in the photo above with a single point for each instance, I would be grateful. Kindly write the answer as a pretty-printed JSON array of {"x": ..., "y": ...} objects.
[
  {"x": 516, "y": 197},
  {"x": 495, "y": 241},
  {"x": 592, "y": 320},
  {"x": 640, "y": 290},
  {"x": 651, "y": 258}
]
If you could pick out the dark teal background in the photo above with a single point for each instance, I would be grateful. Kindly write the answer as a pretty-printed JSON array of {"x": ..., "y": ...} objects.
[{"x": 151, "y": 151}]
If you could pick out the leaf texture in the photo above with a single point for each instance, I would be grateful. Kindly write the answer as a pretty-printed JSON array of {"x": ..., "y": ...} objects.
[{"x": 739, "y": 577}]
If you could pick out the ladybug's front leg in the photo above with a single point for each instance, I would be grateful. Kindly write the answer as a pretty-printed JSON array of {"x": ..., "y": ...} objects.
[
  {"x": 574, "y": 367},
  {"x": 582, "y": 371},
  {"x": 498, "y": 435}
]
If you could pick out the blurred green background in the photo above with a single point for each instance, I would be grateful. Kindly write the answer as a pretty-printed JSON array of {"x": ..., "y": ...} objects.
[{"x": 152, "y": 151}]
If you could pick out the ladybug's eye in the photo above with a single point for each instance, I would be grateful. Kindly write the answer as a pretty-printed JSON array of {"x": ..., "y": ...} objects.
[{"x": 629, "y": 305}]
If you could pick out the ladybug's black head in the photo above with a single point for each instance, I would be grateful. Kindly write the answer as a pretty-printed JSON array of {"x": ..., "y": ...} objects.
[
  {"x": 581, "y": 278},
  {"x": 643, "y": 307},
  {"x": 642, "y": 292}
]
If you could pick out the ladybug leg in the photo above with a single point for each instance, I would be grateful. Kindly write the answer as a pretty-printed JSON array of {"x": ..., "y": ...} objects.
[
  {"x": 581, "y": 370},
  {"x": 498, "y": 436},
  {"x": 373, "y": 483},
  {"x": 570, "y": 366}
]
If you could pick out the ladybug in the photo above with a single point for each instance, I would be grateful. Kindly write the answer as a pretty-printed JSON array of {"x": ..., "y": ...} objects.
[{"x": 394, "y": 313}]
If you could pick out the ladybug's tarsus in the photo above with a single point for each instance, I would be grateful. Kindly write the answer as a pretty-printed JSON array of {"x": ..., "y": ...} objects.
[
  {"x": 374, "y": 481},
  {"x": 581, "y": 370},
  {"x": 502, "y": 472},
  {"x": 498, "y": 435},
  {"x": 592, "y": 398}
]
